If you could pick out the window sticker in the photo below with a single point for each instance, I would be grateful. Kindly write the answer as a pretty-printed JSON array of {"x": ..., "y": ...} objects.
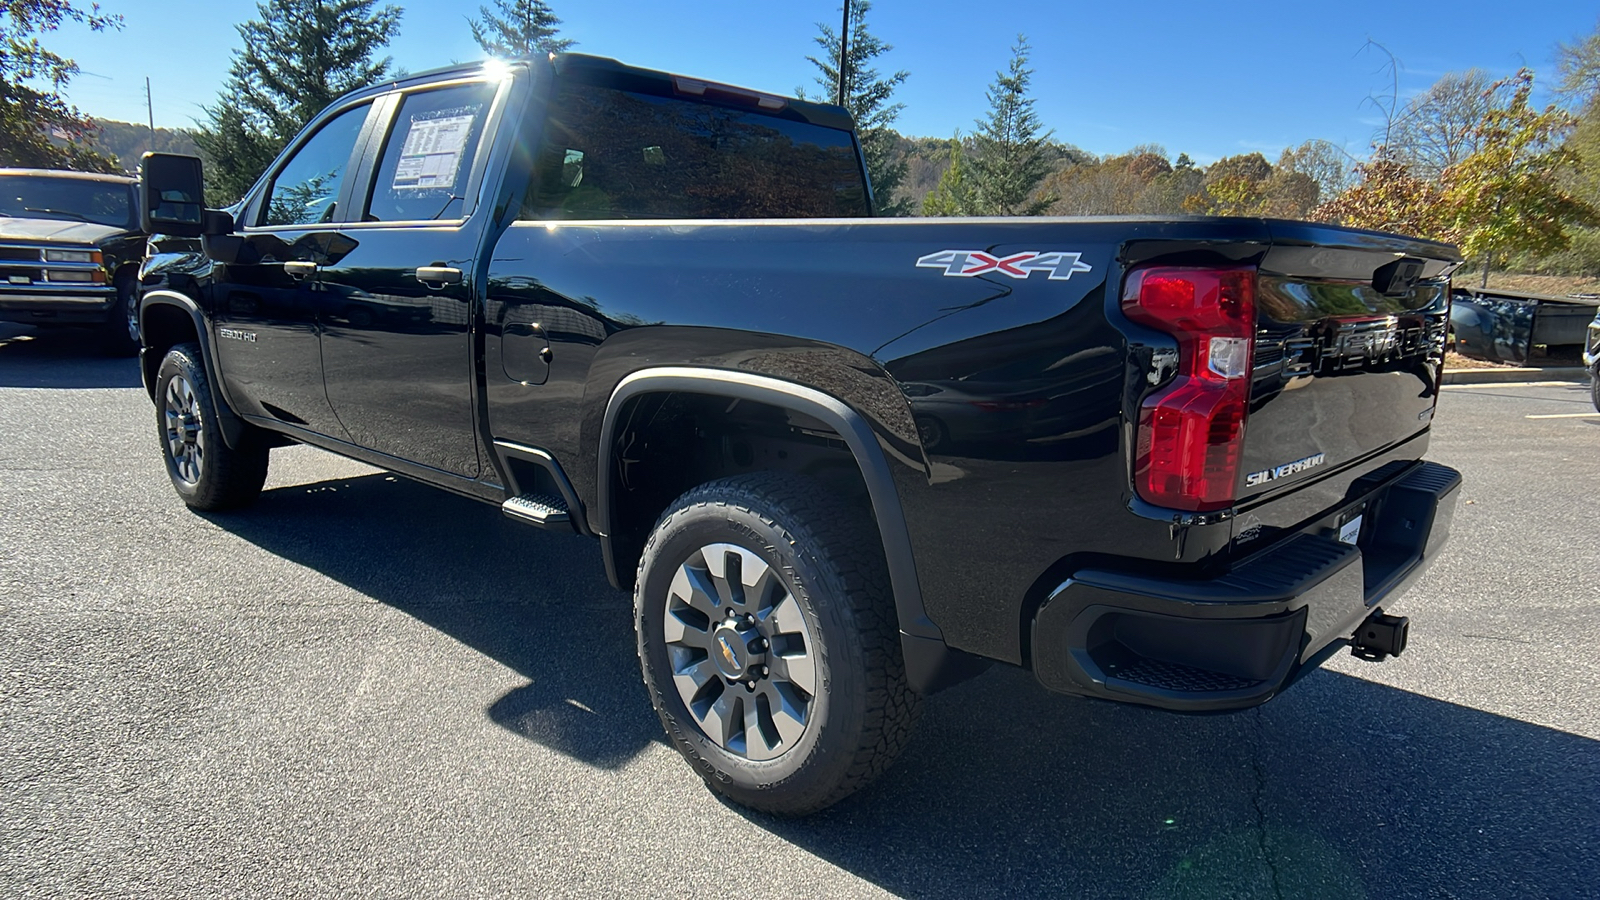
[{"x": 431, "y": 155}]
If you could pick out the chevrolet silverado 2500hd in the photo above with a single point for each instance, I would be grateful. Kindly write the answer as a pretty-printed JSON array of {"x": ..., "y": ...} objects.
[{"x": 840, "y": 461}]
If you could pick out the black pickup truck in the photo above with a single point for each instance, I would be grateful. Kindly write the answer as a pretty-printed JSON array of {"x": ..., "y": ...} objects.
[{"x": 840, "y": 461}]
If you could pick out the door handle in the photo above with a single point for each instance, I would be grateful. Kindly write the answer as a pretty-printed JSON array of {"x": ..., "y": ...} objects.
[
  {"x": 299, "y": 268},
  {"x": 438, "y": 276}
]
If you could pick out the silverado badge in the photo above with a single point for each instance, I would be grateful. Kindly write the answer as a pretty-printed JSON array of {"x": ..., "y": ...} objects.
[{"x": 1256, "y": 479}]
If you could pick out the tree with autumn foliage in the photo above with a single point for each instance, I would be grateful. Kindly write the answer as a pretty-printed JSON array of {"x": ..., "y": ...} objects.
[
  {"x": 32, "y": 78},
  {"x": 1510, "y": 196},
  {"x": 1388, "y": 197}
]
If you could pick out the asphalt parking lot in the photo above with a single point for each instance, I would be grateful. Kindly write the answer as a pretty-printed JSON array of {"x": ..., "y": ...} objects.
[{"x": 364, "y": 687}]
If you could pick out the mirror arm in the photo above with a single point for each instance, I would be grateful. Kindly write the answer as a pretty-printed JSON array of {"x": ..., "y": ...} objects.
[{"x": 219, "y": 221}]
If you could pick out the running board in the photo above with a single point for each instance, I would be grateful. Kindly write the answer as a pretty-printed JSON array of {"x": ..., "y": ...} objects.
[{"x": 542, "y": 510}]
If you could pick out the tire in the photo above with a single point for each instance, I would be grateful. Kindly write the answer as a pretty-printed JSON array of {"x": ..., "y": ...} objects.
[
  {"x": 119, "y": 336},
  {"x": 207, "y": 473},
  {"x": 932, "y": 433},
  {"x": 830, "y": 708},
  {"x": 1594, "y": 387}
]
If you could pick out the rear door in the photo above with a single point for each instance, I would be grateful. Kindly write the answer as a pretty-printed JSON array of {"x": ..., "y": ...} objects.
[{"x": 397, "y": 311}]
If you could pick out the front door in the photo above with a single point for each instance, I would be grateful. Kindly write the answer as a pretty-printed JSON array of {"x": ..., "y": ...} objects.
[
  {"x": 266, "y": 296},
  {"x": 397, "y": 311}
]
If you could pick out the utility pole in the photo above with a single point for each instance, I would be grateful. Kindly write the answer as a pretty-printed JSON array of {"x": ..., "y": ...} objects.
[
  {"x": 844, "y": 54},
  {"x": 150, "y": 108}
]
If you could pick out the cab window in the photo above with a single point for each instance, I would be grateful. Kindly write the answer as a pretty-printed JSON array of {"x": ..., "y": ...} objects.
[
  {"x": 609, "y": 153},
  {"x": 427, "y": 159},
  {"x": 306, "y": 190}
]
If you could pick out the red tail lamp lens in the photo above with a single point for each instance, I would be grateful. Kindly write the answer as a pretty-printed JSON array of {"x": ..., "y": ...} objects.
[{"x": 1191, "y": 433}]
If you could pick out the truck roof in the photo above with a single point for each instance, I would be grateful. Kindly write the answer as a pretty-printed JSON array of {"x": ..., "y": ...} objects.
[
  {"x": 68, "y": 173},
  {"x": 608, "y": 70}
]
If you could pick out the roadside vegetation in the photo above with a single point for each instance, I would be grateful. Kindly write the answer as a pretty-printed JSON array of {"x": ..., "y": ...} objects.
[{"x": 1473, "y": 160}]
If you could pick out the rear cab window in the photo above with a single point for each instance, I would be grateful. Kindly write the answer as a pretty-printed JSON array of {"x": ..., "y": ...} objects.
[
  {"x": 612, "y": 153},
  {"x": 429, "y": 153}
]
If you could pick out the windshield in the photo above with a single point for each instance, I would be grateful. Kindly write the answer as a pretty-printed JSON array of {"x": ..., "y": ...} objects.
[{"x": 69, "y": 199}]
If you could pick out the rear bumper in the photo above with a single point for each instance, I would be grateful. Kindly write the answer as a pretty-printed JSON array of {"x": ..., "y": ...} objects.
[
  {"x": 53, "y": 304},
  {"x": 1237, "y": 640}
]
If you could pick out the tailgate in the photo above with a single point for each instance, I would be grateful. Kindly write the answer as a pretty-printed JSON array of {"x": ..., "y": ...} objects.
[{"x": 1350, "y": 338}]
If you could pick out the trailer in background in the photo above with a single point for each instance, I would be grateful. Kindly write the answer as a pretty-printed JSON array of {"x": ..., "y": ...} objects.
[{"x": 1519, "y": 327}]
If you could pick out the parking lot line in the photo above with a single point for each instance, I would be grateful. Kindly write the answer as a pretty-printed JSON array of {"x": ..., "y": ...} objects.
[
  {"x": 1504, "y": 384},
  {"x": 1588, "y": 415}
]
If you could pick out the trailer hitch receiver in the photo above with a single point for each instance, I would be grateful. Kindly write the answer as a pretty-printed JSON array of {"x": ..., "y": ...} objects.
[{"x": 1380, "y": 637}]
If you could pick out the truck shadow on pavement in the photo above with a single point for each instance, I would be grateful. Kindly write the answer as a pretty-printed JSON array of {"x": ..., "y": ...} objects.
[
  {"x": 535, "y": 602},
  {"x": 70, "y": 358},
  {"x": 1341, "y": 788}
]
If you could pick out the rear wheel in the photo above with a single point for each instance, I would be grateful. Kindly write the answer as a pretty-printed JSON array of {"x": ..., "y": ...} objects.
[
  {"x": 1594, "y": 387},
  {"x": 768, "y": 641},
  {"x": 207, "y": 473}
]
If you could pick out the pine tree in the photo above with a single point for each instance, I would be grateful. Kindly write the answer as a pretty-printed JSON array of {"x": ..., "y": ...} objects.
[
  {"x": 520, "y": 28},
  {"x": 1010, "y": 155},
  {"x": 867, "y": 97},
  {"x": 32, "y": 78},
  {"x": 952, "y": 196},
  {"x": 298, "y": 57}
]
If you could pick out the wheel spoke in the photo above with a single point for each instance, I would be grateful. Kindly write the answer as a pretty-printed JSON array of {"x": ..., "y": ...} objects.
[
  {"x": 691, "y": 680},
  {"x": 724, "y": 563},
  {"x": 723, "y": 720},
  {"x": 755, "y": 739},
  {"x": 677, "y": 630},
  {"x": 692, "y": 586},
  {"x": 788, "y": 713},
  {"x": 763, "y": 588},
  {"x": 786, "y": 617},
  {"x": 798, "y": 669}
]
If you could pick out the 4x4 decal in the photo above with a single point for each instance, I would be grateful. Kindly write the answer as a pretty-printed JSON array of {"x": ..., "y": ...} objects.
[{"x": 968, "y": 263}]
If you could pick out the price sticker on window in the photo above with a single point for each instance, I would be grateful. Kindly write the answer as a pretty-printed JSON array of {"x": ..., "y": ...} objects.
[{"x": 431, "y": 154}]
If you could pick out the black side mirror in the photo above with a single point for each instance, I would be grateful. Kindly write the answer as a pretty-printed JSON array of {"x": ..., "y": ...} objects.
[{"x": 172, "y": 198}]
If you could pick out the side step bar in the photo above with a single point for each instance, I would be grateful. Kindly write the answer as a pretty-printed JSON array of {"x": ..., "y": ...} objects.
[
  {"x": 542, "y": 510},
  {"x": 540, "y": 492}
]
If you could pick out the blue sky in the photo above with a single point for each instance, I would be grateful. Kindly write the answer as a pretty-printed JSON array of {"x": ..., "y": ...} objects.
[{"x": 1209, "y": 79}]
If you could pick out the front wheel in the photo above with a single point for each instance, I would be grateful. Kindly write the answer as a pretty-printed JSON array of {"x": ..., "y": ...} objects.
[
  {"x": 207, "y": 473},
  {"x": 769, "y": 644},
  {"x": 1594, "y": 387},
  {"x": 119, "y": 336}
]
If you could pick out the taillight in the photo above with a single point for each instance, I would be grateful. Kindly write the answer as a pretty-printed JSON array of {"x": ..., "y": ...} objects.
[{"x": 1191, "y": 432}]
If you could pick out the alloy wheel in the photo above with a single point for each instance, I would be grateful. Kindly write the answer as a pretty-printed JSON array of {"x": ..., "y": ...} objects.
[
  {"x": 743, "y": 658},
  {"x": 186, "y": 440}
]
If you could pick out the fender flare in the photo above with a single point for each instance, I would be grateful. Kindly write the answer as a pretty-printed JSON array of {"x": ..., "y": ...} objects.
[
  {"x": 930, "y": 664},
  {"x": 232, "y": 426}
]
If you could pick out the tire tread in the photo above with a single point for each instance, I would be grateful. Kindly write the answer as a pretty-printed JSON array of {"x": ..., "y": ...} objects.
[{"x": 846, "y": 541}]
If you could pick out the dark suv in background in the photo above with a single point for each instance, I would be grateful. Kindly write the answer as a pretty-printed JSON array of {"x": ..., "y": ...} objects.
[{"x": 70, "y": 248}]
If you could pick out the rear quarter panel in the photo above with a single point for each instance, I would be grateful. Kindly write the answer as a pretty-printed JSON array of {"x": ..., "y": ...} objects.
[{"x": 1029, "y": 372}]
